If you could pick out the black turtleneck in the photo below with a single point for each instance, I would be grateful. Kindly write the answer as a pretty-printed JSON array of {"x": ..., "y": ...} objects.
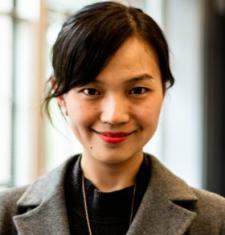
[{"x": 109, "y": 213}]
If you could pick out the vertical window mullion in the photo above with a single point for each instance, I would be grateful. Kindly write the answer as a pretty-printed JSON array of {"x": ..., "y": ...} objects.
[
  {"x": 13, "y": 105},
  {"x": 6, "y": 15}
]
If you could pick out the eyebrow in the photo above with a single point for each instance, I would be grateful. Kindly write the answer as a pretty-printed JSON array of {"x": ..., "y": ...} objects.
[{"x": 139, "y": 78}]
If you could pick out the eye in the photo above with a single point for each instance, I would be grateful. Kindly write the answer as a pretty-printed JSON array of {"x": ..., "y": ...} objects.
[
  {"x": 91, "y": 92},
  {"x": 138, "y": 91}
]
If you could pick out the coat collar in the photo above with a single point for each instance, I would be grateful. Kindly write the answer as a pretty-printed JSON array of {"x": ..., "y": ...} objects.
[
  {"x": 160, "y": 211},
  {"x": 47, "y": 198}
]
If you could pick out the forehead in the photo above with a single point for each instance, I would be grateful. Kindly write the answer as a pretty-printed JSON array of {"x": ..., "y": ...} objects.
[{"x": 134, "y": 59}]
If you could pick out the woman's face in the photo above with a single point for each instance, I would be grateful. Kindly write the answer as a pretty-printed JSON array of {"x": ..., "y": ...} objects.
[{"x": 117, "y": 114}]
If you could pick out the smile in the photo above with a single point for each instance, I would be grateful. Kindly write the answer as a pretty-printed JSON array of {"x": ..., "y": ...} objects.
[{"x": 113, "y": 137}]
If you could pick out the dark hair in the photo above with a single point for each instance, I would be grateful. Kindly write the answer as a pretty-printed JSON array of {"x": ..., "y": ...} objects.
[{"x": 89, "y": 39}]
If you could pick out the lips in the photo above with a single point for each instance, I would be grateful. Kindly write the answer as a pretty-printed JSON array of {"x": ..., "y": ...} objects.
[
  {"x": 115, "y": 134},
  {"x": 114, "y": 137}
]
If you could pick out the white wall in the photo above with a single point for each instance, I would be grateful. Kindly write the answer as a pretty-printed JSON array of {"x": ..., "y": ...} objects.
[{"x": 181, "y": 135}]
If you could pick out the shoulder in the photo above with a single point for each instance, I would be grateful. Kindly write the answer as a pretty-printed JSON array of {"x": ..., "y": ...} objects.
[
  {"x": 8, "y": 208},
  {"x": 40, "y": 188},
  {"x": 209, "y": 204},
  {"x": 210, "y": 209},
  {"x": 9, "y": 198},
  {"x": 210, "y": 200}
]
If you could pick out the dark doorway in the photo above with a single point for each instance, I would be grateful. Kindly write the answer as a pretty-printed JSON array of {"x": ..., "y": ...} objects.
[{"x": 215, "y": 96}]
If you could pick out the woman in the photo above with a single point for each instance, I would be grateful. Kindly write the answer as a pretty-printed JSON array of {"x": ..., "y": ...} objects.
[{"x": 111, "y": 72}]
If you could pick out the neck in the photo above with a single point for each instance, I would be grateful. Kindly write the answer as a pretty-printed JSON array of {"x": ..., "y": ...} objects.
[{"x": 111, "y": 177}]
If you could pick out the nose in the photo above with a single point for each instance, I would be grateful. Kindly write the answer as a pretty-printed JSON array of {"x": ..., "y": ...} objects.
[{"x": 115, "y": 110}]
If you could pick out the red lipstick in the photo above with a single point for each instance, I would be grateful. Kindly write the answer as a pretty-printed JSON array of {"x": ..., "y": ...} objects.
[{"x": 114, "y": 137}]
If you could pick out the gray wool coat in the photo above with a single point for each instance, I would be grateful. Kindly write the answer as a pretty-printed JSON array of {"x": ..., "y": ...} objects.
[{"x": 169, "y": 207}]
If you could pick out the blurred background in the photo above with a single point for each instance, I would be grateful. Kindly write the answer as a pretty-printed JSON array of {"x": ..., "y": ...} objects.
[{"x": 191, "y": 136}]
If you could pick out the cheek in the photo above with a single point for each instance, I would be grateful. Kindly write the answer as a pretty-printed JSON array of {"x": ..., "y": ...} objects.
[
  {"x": 148, "y": 114},
  {"x": 81, "y": 116}
]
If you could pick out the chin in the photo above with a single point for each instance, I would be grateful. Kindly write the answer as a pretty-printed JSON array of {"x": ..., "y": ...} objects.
[{"x": 114, "y": 158}]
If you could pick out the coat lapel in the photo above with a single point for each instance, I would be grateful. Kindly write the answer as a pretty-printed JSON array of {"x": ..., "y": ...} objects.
[
  {"x": 49, "y": 218},
  {"x": 46, "y": 197},
  {"x": 160, "y": 212},
  {"x": 161, "y": 217}
]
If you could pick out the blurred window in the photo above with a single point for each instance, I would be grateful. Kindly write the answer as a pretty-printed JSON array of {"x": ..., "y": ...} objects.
[
  {"x": 6, "y": 32},
  {"x": 6, "y": 5},
  {"x": 17, "y": 88}
]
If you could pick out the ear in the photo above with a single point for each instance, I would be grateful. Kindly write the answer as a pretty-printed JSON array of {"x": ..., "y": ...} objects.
[
  {"x": 60, "y": 99},
  {"x": 62, "y": 104}
]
